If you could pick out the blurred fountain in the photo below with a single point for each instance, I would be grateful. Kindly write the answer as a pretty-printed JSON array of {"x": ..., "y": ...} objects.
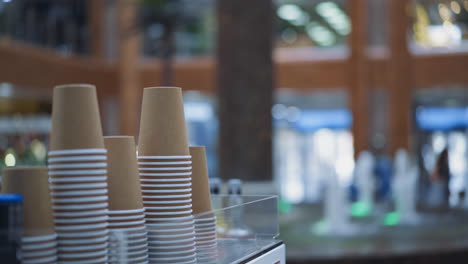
[{"x": 404, "y": 187}]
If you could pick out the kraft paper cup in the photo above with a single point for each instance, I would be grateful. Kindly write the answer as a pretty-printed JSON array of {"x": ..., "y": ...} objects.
[
  {"x": 200, "y": 185},
  {"x": 123, "y": 178},
  {"x": 162, "y": 114},
  {"x": 76, "y": 120},
  {"x": 32, "y": 184}
]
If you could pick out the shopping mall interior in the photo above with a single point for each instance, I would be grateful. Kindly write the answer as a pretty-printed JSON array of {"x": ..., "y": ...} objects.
[{"x": 353, "y": 112}]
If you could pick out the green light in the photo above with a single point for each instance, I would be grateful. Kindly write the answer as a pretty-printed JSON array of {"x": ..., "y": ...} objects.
[
  {"x": 360, "y": 209},
  {"x": 320, "y": 228},
  {"x": 391, "y": 219},
  {"x": 284, "y": 206}
]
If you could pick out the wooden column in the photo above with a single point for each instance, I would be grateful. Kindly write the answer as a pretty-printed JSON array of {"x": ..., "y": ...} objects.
[
  {"x": 359, "y": 73},
  {"x": 128, "y": 73},
  {"x": 96, "y": 16},
  {"x": 245, "y": 88},
  {"x": 400, "y": 82}
]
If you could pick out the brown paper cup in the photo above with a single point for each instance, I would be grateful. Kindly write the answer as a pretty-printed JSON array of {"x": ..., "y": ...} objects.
[
  {"x": 162, "y": 127},
  {"x": 200, "y": 186},
  {"x": 76, "y": 122},
  {"x": 123, "y": 178},
  {"x": 32, "y": 183}
]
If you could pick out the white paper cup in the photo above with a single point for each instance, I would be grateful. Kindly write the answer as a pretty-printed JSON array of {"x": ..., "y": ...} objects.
[
  {"x": 87, "y": 158},
  {"x": 73, "y": 200},
  {"x": 81, "y": 206},
  {"x": 76, "y": 152},
  {"x": 49, "y": 259},
  {"x": 175, "y": 185},
  {"x": 74, "y": 186},
  {"x": 164, "y": 157},
  {"x": 166, "y": 174},
  {"x": 125, "y": 212},
  {"x": 165, "y": 163},
  {"x": 168, "y": 191},
  {"x": 38, "y": 239},
  {"x": 79, "y": 193},
  {"x": 81, "y": 220},
  {"x": 78, "y": 165}
]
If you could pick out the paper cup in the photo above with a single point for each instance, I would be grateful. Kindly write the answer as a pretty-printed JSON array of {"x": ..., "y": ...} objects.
[
  {"x": 164, "y": 180},
  {"x": 168, "y": 202},
  {"x": 81, "y": 220},
  {"x": 169, "y": 158},
  {"x": 76, "y": 121},
  {"x": 32, "y": 184},
  {"x": 114, "y": 218},
  {"x": 83, "y": 241},
  {"x": 80, "y": 214},
  {"x": 127, "y": 212},
  {"x": 129, "y": 223},
  {"x": 172, "y": 247},
  {"x": 80, "y": 207},
  {"x": 92, "y": 192},
  {"x": 86, "y": 248},
  {"x": 89, "y": 165},
  {"x": 124, "y": 183},
  {"x": 74, "y": 200},
  {"x": 200, "y": 185},
  {"x": 39, "y": 246},
  {"x": 173, "y": 185},
  {"x": 39, "y": 239},
  {"x": 162, "y": 114}
]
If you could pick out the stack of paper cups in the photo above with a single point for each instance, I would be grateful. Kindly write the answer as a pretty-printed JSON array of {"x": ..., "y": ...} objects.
[
  {"x": 205, "y": 221},
  {"x": 128, "y": 236},
  {"x": 78, "y": 176},
  {"x": 39, "y": 243},
  {"x": 165, "y": 173}
]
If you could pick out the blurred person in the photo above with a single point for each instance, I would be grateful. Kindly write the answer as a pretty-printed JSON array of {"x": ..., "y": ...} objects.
[{"x": 440, "y": 177}]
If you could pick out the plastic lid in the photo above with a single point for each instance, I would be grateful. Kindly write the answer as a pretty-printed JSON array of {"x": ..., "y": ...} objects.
[{"x": 10, "y": 198}]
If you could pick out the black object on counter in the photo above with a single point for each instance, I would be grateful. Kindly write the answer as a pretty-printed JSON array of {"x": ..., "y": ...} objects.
[
  {"x": 11, "y": 228},
  {"x": 215, "y": 185}
]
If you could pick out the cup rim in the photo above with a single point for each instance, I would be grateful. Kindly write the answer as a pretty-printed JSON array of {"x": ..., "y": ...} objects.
[
  {"x": 167, "y": 185},
  {"x": 35, "y": 239},
  {"x": 168, "y": 202},
  {"x": 84, "y": 186},
  {"x": 83, "y": 255},
  {"x": 131, "y": 223},
  {"x": 48, "y": 259},
  {"x": 78, "y": 172},
  {"x": 187, "y": 162},
  {"x": 165, "y": 180},
  {"x": 79, "y": 193},
  {"x": 59, "y": 159},
  {"x": 169, "y": 213},
  {"x": 99, "y": 198},
  {"x": 90, "y": 261},
  {"x": 129, "y": 211},
  {"x": 78, "y": 165},
  {"x": 190, "y": 228},
  {"x": 169, "y": 174},
  {"x": 39, "y": 245},
  {"x": 126, "y": 217},
  {"x": 73, "y": 207},
  {"x": 77, "y": 151},
  {"x": 40, "y": 253},
  {"x": 169, "y": 207},
  {"x": 188, "y": 168},
  {"x": 82, "y": 227},
  {"x": 165, "y": 157},
  {"x": 168, "y": 191},
  {"x": 84, "y": 241},
  {"x": 83, "y": 247},
  {"x": 81, "y": 220}
]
